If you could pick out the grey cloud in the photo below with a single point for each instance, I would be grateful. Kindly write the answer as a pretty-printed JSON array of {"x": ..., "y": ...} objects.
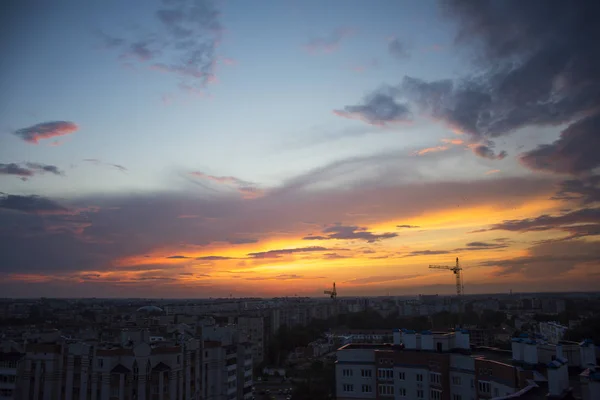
[
  {"x": 341, "y": 232},
  {"x": 554, "y": 258},
  {"x": 328, "y": 44},
  {"x": 186, "y": 46},
  {"x": 426, "y": 253},
  {"x": 535, "y": 66},
  {"x": 379, "y": 279},
  {"x": 398, "y": 49},
  {"x": 214, "y": 258},
  {"x": 407, "y": 226},
  {"x": 378, "y": 109},
  {"x": 28, "y": 170},
  {"x": 116, "y": 227},
  {"x": 575, "y": 152},
  {"x": 53, "y": 169},
  {"x": 585, "y": 190},
  {"x": 30, "y": 204},
  {"x": 15, "y": 169},
  {"x": 487, "y": 152},
  {"x": 280, "y": 252},
  {"x": 100, "y": 162},
  {"x": 177, "y": 257},
  {"x": 242, "y": 240},
  {"x": 333, "y": 256},
  {"x": 45, "y": 130},
  {"x": 547, "y": 222}
]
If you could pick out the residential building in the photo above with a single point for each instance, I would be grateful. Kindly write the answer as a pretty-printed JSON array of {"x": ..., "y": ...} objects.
[
  {"x": 10, "y": 363},
  {"x": 552, "y": 331}
]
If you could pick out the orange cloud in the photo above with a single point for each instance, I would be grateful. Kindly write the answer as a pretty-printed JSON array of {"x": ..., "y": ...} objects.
[{"x": 431, "y": 150}]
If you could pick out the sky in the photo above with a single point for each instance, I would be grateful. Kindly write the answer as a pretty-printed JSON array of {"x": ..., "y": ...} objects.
[{"x": 197, "y": 148}]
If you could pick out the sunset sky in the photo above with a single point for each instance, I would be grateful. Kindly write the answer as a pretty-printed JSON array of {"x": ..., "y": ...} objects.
[{"x": 269, "y": 148}]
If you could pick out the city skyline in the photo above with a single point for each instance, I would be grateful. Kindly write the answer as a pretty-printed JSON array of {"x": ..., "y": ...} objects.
[{"x": 204, "y": 148}]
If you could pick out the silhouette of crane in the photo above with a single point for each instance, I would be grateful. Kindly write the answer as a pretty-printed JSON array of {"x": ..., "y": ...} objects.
[
  {"x": 332, "y": 293},
  {"x": 460, "y": 289}
]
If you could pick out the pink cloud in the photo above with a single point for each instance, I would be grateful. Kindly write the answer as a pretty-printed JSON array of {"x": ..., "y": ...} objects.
[
  {"x": 248, "y": 190},
  {"x": 431, "y": 150},
  {"x": 46, "y": 130},
  {"x": 453, "y": 141}
]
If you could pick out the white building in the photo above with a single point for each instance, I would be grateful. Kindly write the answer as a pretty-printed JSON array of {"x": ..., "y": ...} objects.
[
  {"x": 553, "y": 331},
  {"x": 9, "y": 367}
]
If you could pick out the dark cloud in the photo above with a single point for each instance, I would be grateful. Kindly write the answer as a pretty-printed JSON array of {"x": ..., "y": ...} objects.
[
  {"x": 378, "y": 109},
  {"x": 28, "y": 170},
  {"x": 30, "y": 204},
  {"x": 547, "y": 222},
  {"x": 93, "y": 233},
  {"x": 535, "y": 66},
  {"x": 328, "y": 44},
  {"x": 426, "y": 253},
  {"x": 53, "y": 169},
  {"x": 186, "y": 46},
  {"x": 407, "y": 226},
  {"x": 475, "y": 246},
  {"x": 580, "y": 223},
  {"x": 398, "y": 49},
  {"x": 242, "y": 240},
  {"x": 178, "y": 257},
  {"x": 379, "y": 279},
  {"x": 46, "y": 130},
  {"x": 575, "y": 152},
  {"x": 333, "y": 256},
  {"x": 15, "y": 169},
  {"x": 341, "y": 232},
  {"x": 585, "y": 190},
  {"x": 280, "y": 252},
  {"x": 551, "y": 259},
  {"x": 245, "y": 188},
  {"x": 100, "y": 162},
  {"x": 487, "y": 152},
  {"x": 214, "y": 258},
  {"x": 481, "y": 244}
]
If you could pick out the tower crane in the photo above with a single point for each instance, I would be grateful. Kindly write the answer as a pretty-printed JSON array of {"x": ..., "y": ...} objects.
[
  {"x": 460, "y": 289},
  {"x": 332, "y": 293}
]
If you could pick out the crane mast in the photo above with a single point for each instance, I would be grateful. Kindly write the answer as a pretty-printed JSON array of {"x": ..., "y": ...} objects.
[
  {"x": 332, "y": 293},
  {"x": 460, "y": 289}
]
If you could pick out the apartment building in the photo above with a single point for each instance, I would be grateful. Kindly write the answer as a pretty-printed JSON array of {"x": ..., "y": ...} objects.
[
  {"x": 426, "y": 365},
  {"x": 10, "y": 364},
  {"x": 253, "y": 330},
  {"x": 553, "y": 331},
  {"x": 90, "y": 371}
]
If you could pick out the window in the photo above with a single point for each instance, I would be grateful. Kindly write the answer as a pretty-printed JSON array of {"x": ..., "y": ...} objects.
[
  {"x": 346, "y": 372},
  {"x": 484, "y": 387},
  {"x": 366, "y": 388},
  {"x": 496, "y": 392},
  {"x": 472, "y": 384},
  {"x": 456, "y": 380},
  {"x": 402, "y": 376},
  {"x": 348, "y": 388},
  {"x": 100, "y": 363},
  {"x": 436, "y": 394},
  {"x": 419, "y": 394},
  {"x": 366, "y": 373},
  {"x": 419, "y": 377},
  {"x": 456, "y": 397},
  {"x": 435, "y": 378},
  {"x": 386, "y": 390},
  {"x": 385, "y": 373},
  {"x": 402, "y": 392}
]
